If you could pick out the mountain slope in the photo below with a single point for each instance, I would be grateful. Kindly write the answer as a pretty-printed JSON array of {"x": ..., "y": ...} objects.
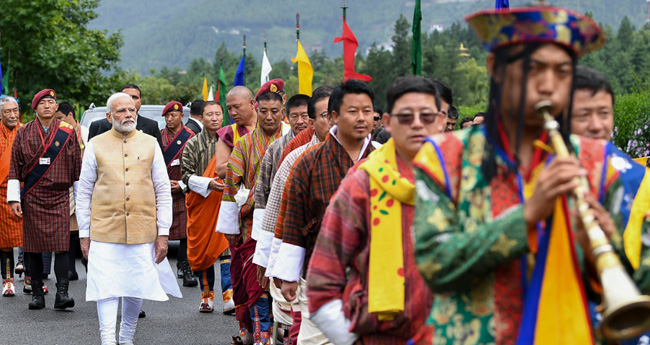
[{"x": 171, "y": 33}]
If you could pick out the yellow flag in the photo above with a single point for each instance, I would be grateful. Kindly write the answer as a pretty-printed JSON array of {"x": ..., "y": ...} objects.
[
  {"x": 205, "y": 89},
  {"x": 305, "y": 71}
]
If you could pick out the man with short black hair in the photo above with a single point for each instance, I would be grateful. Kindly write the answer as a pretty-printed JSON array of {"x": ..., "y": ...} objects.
[
  {"x": 147, "y": 126},
  {"x": 194, "y": 121},
  {"x": 317, "y": 175},
  {"x": 466, "y": 122},
  {"x": 451, "y": 119},
  {"x": 365, "y": 239},
  {"x": 478, "y": 118},
  {"x": 237, "y": 223},
  {"x": 593, "y": 105}
]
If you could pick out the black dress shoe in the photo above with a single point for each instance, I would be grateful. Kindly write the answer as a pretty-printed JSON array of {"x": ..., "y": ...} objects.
[
  {"x": 142, "y": 314},
  {"x": 73, "y": 275}
]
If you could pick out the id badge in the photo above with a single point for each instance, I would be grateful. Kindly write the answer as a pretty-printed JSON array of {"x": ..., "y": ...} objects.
[
  {"x": 176, "y": 162},
  {"x": 44, "y": 161}
]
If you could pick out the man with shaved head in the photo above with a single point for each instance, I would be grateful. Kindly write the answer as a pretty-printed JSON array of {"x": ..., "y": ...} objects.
[{"x": 241, "y": 108}]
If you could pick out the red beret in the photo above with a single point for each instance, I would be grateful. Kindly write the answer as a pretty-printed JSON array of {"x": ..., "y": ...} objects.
[
  {"x": 275, "y": 85},
  {"x": 47, "y": 93},
  {"x": 173, "y": 106}
]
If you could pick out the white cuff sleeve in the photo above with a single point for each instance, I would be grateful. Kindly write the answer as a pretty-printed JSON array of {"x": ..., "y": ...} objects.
[
  {"x": 163, "y": 231},
  {"x": 242, "y": 196},
  {"x": 182, "y": 185},
  {"x": 228, "y": 221},
  {"x": 273, "y": 255},
  {"x": 263, "y": 248},
  {"x": 13, "y": 190},
  {"x": 331, "y": 320},
  {"x": 84, "y": 233},
  {"x": 199, "y": 185},
  {"x": 258, "y": 217},
  {"x": 288, "y": 265}
]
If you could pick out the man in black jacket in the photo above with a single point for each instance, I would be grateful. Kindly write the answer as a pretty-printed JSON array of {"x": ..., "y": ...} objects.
[
  {"x": 143, "y": 124},
  {"x": 194, "y": 121}
]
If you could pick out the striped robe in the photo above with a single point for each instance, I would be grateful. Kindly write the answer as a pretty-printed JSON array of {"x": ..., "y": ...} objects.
[{"x": 179, "y": 224}]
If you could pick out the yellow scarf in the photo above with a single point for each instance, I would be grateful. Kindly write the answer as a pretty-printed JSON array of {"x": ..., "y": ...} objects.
[{"x": 388, "y": 190}]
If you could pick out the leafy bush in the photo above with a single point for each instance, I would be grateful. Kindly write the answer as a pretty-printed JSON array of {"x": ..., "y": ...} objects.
[{"x": 631, "y": 120}]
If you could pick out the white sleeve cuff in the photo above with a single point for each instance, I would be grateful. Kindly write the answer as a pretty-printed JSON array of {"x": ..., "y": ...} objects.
[
  {"x": 84, "y": 233},
  {"x": 228, "y": 221},
  {"x": 289, "y": 262},
  {"x": 13, "y": 190},
  {"x": 273, "y": 255},
  {"x": 242, "y": 196},
  {"x": 263, "y": 248},
  {"x": 182, "y": 185},
  {"x": 199, "y": 185},
  {"x": 258, "y": 217},
  {"x": 163, "y": 231},
  {"x": 331, "y": 320}
]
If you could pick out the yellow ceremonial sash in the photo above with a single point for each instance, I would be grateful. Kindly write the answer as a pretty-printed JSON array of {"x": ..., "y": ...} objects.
[{"x": 388, "y": 190}]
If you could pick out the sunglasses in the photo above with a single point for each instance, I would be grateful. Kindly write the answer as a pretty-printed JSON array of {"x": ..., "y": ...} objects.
[
  {"x": 408, "y": 118},
  {"x": 377, "y": 118}
]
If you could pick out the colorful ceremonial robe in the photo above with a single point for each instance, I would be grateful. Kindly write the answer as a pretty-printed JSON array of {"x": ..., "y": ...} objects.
[
  {"x": 302, "y": 138},
  {"x": 495, "y": 282},
  {"x": 46, "y": 205},
  {"x": 242, "y": 171},
  {"x": 263, "y": 252},
  {"x": 316, "y": 176},
  {"x": 340, "y": 264},
  {"x": 173, "y": 145},
  {"x": 11, "y": 227},
  {"x": 231, "y": 134}
]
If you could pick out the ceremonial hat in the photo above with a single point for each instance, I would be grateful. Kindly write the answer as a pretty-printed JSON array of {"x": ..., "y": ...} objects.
[
  {"x": 173, "y": 106},
  {"x": 47, "y": 93},
  {"x": 275, "y": 85},
  {"x": 543, "y": 24}
]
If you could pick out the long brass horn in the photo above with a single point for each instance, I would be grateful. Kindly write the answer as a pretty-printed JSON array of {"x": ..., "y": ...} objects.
[{"x": 626, "y": 312}]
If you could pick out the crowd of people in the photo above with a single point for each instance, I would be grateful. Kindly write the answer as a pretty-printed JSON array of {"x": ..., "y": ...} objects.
[{"x": 331, "y": 220}]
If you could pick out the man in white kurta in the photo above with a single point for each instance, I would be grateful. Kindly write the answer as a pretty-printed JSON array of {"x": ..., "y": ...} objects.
[{"x": 124, "y": 210}]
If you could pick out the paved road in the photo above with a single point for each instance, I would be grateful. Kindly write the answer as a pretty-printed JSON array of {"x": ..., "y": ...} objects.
[{"x": 176, "y": 321}]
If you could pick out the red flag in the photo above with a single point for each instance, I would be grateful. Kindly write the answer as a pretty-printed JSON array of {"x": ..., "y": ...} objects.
[{"x": 350, "y": 45}]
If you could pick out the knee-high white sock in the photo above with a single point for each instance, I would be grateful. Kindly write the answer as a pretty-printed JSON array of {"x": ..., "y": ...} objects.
[
  {"x": 107, "y": 314},
  {"x": 130, "y": 310}
]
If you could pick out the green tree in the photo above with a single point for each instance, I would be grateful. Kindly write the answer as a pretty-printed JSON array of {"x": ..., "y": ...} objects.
[
  {"x": 51, "y": 47},
  {"x": 401, "y": 47}
]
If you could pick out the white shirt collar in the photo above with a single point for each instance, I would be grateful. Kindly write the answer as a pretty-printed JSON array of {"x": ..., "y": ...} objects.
[{"x": 366, "y": 141}]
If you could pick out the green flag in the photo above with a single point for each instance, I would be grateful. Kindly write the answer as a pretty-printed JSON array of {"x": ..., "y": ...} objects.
[
  {"x": 416, "y": 50},
  {"x": 221, "y": 96},
  {"x": 5, "y": 81}
]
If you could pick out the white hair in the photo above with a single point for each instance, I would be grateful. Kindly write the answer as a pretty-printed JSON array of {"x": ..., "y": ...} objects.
[
  {"x": 109, "y": 103},
  {"x": 6, "y": 100}
]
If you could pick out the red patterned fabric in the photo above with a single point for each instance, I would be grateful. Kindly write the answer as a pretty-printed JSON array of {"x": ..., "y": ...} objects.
[
  {"x": 46, "y": 209},
  {"x": 179, "y": 225},
  {"x": 302, "y": 138}
]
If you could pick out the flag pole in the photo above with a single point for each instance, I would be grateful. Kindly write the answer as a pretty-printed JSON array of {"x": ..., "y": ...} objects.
[
  {"x": 345, "y": 9},
  {"x": 244, "y": 76},
  {"x": 297, "y": 26}
]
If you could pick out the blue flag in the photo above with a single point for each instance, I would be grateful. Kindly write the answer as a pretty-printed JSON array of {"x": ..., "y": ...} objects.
[
  {"x": 502, "y": 4},
  {"x": 239, "y": 76}
]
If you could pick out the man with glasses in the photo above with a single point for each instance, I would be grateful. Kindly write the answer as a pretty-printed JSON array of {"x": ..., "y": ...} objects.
[
  {"x": 11, "y": 228},
  {"x": 365, "y": 241},
  {"x": 46, "y": 158},
  {"x": 124, "y": 231}
]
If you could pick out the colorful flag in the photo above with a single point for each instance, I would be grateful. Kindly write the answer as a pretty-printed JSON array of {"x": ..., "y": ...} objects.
[
  {"x": 204, "y": 91},
  {"x": 305, "y": 71},
  {"x": 350, "y": 45},
  {"x": 502, "y": 4},
  {"x": 239, "y": 76},
  {"x": 210, "y": 94},
  {"x": 221, "y": 96},
  {"x": 266, "y": 69},
  {"x": 416, "y": 49}
]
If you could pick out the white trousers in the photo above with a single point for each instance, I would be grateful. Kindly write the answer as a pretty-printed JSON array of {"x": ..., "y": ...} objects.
[
  {"x": 107, "y": 314},
  {"x": 309, "y": 333}
]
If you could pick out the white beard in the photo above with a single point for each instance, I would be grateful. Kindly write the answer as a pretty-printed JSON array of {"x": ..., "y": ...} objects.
[{"x": 121, "y": 127}]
